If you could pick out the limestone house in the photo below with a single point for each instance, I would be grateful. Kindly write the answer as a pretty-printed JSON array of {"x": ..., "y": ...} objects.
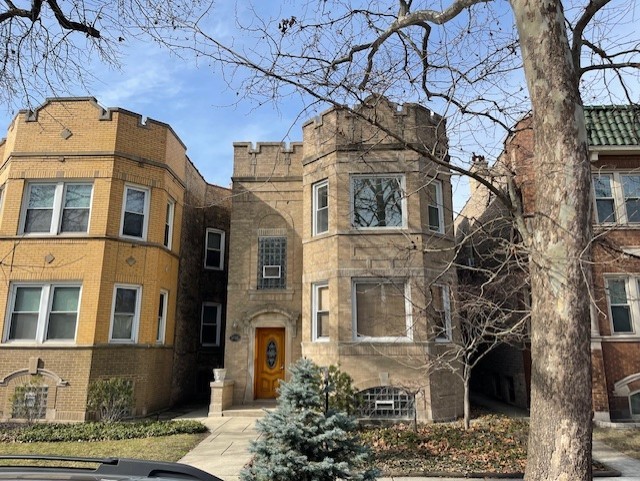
[
  {"x": 339, "y": 247},
  {"x": 614, "y": 146},
  {"x": 113, "y": 255}
]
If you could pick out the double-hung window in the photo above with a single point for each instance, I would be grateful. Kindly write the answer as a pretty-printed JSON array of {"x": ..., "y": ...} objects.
[
  {"x": 434, "y": 202},
  {"x": 168, "y": 224},
  {"x": 381, "y": 310},
  {"x": 210, "y": 324},
  {"x": 272, "y": 262},
  {"x": 320, "y": 307},
  {"x": 126, "y": 313},
  {"x": 214, "y": 249},
  {"x": 162, "y": 316},
  {"x": 43, "y": 312},
  {"x": 135, "y": 212},
  {"x": 56, "y": 208},
  {"x": 631, "y": 192},
  {"x": 634, "y": 404},
  {"x": 441, "y": 309},
  {"x": 624, "y": 304},
  {"x": 378, "y": 201},
  {"x": 617, "y": 198},
  {"x": 320, "y": 207}
]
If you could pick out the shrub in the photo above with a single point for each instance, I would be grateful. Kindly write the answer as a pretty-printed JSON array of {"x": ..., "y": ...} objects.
[
  {"x": 29, "y": 400},
  {"x": 98, "y": 431},
  {"x": 342, "y": 395},
  {"x": 111, "y": 399}
]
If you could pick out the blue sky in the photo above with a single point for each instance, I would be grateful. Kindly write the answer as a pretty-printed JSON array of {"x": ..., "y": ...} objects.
[{"x": 193, "y": 100}]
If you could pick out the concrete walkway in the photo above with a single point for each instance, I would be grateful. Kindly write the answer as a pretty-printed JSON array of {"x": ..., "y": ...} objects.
[{"x": 225, "y": 451}]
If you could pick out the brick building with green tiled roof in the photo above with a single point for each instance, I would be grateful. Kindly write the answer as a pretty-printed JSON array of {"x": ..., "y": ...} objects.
[
  {"x": 611, "y": 125},
  {"x": 614, "y": 149}
]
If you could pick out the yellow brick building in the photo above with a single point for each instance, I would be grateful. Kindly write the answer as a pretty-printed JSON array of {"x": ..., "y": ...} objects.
[
  {"x": 115, "y": 253},
  {"x": 92, "y": 232}
]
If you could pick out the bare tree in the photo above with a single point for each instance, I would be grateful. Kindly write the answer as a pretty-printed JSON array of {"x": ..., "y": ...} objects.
[
  {"x": 48, "y": 45},
  {"x": 467, "y": 60}
]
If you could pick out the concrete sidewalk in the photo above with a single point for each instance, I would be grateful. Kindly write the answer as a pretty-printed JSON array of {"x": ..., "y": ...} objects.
[{"x": 226, "y": 450}]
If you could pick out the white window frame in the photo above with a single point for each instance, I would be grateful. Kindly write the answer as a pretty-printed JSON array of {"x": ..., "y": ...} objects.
[
  {"x": 133, "y": 338},
  {"x": 446, "y": 304},
  {"x": 206, "y": 248},
  {"x": 407, "y": 310},
  {"x": 632, "y": 291},
  {"x": 162, "y": 317},
  {"x": 316, "y": 210},
  {"x": 264, "y": 272},
  {"x": 168, "y": 224},
  {"x": 218, "y": 322},
  {"x": 315, "y": 287},
  {"x": 57, "y": 208},
  {"x": 145, "y": 213},
  {"x": 403, "y": 199},
  {"x": 46, "y": 302},
  {"x": 631, "y": 413},
  {"x": 439, "y": 206},
  {"x": 617, "y": 192}
]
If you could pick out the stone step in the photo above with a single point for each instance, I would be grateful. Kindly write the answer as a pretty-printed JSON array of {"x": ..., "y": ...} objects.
[{"x": 257, "y": 410}]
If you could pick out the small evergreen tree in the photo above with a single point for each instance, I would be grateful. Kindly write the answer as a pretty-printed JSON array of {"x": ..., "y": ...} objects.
[{"x": 300, "y": 442}]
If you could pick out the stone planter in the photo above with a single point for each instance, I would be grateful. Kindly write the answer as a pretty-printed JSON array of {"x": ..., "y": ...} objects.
[{"x": 219, "y": 375}]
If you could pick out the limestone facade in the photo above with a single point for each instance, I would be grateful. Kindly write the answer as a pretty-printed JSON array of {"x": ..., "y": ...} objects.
[{"x": 367, "y": 227}]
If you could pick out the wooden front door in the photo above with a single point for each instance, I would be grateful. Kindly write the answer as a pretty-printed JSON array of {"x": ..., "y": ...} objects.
[{"x": 269, "y": 359}]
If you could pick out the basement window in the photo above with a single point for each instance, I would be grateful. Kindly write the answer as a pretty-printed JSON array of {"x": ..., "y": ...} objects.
[{"x": 386, "y": 402}]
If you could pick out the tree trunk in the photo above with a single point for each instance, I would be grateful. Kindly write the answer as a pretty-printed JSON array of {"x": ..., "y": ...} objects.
[
  {"x": 467, "y": 406},
  {"x": 559, "y": 239}
]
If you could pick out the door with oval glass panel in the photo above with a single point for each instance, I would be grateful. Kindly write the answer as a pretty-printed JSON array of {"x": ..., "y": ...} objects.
[{"x": 269, "y": 359}]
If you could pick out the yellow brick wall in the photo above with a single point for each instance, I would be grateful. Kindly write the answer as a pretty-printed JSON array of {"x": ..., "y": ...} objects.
[{"x": 111, "y": 149}]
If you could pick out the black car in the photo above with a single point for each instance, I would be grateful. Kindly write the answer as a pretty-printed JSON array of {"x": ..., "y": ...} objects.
[{"x": 97, "y": 469}]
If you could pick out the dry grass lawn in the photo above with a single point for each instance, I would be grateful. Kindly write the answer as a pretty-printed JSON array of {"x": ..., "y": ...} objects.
[
  {"x": 624, "y": 440},
  {"x": 163, "y": 448}
]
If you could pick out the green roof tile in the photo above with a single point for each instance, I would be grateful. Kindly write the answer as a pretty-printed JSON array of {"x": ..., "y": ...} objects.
[{"x": 613, "y": 125}]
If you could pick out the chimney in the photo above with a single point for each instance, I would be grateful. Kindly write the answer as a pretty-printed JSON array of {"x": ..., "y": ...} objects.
[{"x": 480, "y": 166}]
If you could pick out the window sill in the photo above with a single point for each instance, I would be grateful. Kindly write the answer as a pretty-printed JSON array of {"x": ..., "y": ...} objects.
[
  {"x": 391, "y": 340},
  {"x": 442, "y": 341},
  {"x": 374, "y": 230},
  {"x": 616, "y": 225},
  {"x": 24, "y": 343},
  {"x": 271, "y": 294},
  {"x": 620, "y": 337},
  {"x": 133, "y": 238}
]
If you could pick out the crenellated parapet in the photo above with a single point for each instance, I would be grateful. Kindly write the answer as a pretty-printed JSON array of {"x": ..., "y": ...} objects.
[
  {"x": 267, "y": 159},
  {"x": 79, "y": 126},
  {"x": 375, "y": 124}
]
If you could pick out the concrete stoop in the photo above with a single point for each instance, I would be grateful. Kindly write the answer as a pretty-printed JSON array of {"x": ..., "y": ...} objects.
[{"x": 253, "y": 410}]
